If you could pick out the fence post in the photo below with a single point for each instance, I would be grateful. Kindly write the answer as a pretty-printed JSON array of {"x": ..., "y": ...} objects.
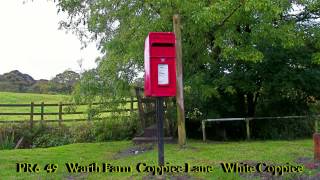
[
  {"x": 42, "y": 111},
  {"x": 131, "y": 105},
  {"x": 31, "y": 114},
  {"x": 203, "y": 130},
  {"x": 60, "y": 114},
  {"x": 247, "y": 128},
  {"x": 89, "y": 112}
]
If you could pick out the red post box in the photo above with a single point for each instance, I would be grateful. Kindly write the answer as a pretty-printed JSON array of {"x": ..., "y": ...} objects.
[{"x": 160, "y": 64}]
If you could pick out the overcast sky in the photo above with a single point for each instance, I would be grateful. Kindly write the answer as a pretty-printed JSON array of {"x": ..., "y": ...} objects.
[{"x": 31, "y": 42}]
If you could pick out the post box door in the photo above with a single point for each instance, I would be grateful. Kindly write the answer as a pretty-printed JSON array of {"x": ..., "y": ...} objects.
[{"x": 164, "y": 76}]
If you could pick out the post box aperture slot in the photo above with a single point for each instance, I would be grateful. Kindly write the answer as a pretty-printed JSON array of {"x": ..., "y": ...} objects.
[
  {"x": 163, "y": 74},
  {"x": 162, "y": 44},
  {"x": 162, "y": 50}
]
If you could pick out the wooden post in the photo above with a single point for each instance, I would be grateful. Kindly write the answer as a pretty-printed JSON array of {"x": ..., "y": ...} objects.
[
  {"x": 248, "y": 128},
  {"x": 31, "y": 114},
  {"x": 179, "y": 70},
  {"x": 316, "y": 141},
  {"x": 140, "y": 108},
  {"x": 42, "y": 112},
  {"x": 60, "y": 114},
  {"x": 204, "y": 130},
  {"x": 89, "y": 112},
  {"x": 131, "y": 105}
]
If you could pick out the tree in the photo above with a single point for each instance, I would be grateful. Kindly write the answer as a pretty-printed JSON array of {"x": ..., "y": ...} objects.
[
  {"x": 64, "y": 82},
  {"x": 237, "y": 55},
  {"x": 41, "y": 86},
  {"x": 16, "y": 81}
]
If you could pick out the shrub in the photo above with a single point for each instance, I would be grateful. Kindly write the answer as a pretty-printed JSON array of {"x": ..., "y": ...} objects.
[
  {"x": 116, "y": 128},
  {"x": 47, "y": 136},
  {"x": 282, "y": 128},
  {"x": 7, "y": 140},
  {"x": 84, "y": 132}
]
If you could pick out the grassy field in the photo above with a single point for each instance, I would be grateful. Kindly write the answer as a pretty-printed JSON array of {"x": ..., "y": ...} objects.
[
  {"x": 195, "y": 153},
  {"x": 27, "y": 98},
  {"x": 21, "y": 98}
]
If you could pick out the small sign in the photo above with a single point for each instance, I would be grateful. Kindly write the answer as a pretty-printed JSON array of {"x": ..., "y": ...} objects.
[{"x": 163, "y": 74}]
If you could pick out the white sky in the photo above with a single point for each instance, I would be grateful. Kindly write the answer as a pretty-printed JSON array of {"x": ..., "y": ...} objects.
[{"x": 31, "y": 42}]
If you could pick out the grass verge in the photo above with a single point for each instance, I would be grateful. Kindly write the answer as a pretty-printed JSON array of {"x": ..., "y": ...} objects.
[{"x": 195, "y": 153}]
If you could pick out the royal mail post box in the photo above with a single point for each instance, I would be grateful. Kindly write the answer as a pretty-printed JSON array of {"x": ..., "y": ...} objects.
[{"x": 160, "y": 64}]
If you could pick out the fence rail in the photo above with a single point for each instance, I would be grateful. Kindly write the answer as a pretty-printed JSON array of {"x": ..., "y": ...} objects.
[
  {"x": 248, "y": 119},
  {"x": 59, "y": 112}
]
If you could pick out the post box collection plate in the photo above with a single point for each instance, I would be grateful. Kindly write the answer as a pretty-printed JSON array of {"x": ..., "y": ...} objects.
[{"x": 163, "y": 74}]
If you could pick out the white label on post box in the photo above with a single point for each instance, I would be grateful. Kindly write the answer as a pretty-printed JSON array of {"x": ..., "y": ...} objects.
[{"x": 163, "y": 74}]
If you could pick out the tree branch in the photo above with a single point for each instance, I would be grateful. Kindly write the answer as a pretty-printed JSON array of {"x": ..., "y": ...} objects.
[{"x": 229, "y": 16}]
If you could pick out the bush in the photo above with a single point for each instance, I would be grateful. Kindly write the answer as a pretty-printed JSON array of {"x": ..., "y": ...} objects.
[
  {"x": 116, "y": 128},
  {"x": 282, "y": 128},
  {"x": 112, "y": 128},
  {"x": 48, "y": 136},
  {"x": 38, "y": 136},
  {"x": 84, "y": 132},
  {"x": 7, "y": 140}
]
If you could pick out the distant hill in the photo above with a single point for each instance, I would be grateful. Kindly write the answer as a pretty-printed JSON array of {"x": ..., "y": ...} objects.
[{"x": 15, "y": 81}]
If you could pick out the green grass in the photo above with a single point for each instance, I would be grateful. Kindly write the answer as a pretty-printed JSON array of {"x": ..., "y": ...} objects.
[
  {"x": 195, "y": 153},
  {"x": 21, "y": 98},
  {"x": 27, "y": 98}
]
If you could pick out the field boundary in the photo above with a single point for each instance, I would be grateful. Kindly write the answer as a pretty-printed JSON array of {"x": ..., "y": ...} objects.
[
  {"x": 59, "y": 112},
  {"x": 248, "y": 119}
]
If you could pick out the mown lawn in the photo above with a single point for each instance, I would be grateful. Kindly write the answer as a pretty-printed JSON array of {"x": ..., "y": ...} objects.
[{"x": 195, "y": 153}]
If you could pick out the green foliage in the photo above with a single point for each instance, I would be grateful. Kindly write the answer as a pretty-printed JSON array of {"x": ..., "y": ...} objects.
[
  {"x": 282, "y": 129},
  {"x": 16, "y": 81},
  {"x": 117, "y": 128},
  {"x": 64, "y": 82},
  {"x": 83, "y": 132},
  {"x": 194, "y": 115},
  {"x": 41, "y": 86},
  {"x": 7, "y": 140},
  {"x": 46, "y": 136},
  {"x": 40, "y": 135},
  {"x": 240, "y": 58}
]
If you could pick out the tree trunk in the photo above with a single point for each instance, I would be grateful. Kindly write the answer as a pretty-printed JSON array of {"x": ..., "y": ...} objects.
[{"x": 251, "y": 105}]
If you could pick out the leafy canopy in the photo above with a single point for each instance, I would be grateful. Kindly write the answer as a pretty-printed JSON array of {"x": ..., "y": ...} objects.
[{"x": 234, "y": 52}]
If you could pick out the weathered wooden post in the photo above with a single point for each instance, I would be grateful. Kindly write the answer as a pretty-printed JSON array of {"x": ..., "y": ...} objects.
[
  {"x": 247, "y": 120},
  {"x": 140, "y": 108},
  {"x": 89, "y": 113},
  {"x": 179, "y": 96},
  {"x": 131, "y": 105},
  {"x": 60, "y": 114},
  {"x": 42, "y": 112},
  {"x": 204, "y": 130},
  {"x": 31, "y": 114}
]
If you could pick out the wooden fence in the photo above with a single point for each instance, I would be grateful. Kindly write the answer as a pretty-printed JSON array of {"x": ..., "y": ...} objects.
[{"x": 59, "y": 112}]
